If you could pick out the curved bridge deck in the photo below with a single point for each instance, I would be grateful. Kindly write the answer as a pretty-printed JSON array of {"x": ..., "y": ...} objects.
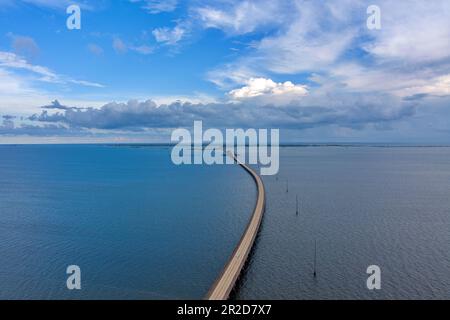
[{"x": 225, "y": 283}]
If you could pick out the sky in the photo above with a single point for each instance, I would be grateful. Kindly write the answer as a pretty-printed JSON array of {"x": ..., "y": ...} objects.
[{"x": 138, "y": 69}]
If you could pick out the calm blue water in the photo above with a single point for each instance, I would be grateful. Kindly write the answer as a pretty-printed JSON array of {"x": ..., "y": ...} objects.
[
  {"x": 140, "y": 227},
  {"x": 363, "y": 205}
]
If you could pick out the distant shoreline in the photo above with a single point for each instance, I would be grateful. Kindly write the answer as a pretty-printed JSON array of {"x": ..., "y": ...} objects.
[{"x": 282, "y": 145}]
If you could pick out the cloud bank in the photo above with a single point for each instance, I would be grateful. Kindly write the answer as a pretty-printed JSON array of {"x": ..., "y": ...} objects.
[{"x": 348, "y": 111}]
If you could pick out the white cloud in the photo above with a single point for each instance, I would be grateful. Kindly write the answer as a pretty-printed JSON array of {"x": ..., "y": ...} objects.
[
  {"x": 158, "y": 6},
  {"x": 260, "y": 86},
  {"x": 20, "y": 98},
  {"x": 439, "y": 86},
  {"x": 17, "y": 95},
  {"x": 10, "y": 84},
  {"x": 168, "y": 35},
  {"x": 413, "y": 31},
  {"x": 409, "y": 55},
  {"x": 142, "y": 49},
  {"x": 243, "y": 16},
  {"x": 86, "y": 83},
  {"x": 316, "y": 38},
  {"x": 313, "y": 36},
  {"x": 229, "y": 75},
  {"x": 397, "y": 80},
  {"x": 11, "y": 61}
]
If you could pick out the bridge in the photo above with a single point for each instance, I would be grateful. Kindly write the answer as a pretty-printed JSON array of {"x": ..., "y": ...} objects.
[{"x": 223, "y": 286}]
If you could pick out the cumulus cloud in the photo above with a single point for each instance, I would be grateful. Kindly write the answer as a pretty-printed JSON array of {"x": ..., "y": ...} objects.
[
  {"x": 344, "y": 111},
  {"x": 260, "y": 86}
]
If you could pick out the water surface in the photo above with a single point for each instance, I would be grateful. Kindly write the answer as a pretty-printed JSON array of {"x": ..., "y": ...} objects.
[
  {"x": 138, "y": 226},
  {"x": 364, "y": 206},
  {"x": 142, "y": 228}
]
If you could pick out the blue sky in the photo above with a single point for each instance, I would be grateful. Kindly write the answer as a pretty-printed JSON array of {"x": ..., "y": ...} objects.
[{"x": 139, "y": 68}]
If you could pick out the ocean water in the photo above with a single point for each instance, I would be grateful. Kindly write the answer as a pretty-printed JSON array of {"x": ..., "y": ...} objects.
[
  {"x": 142, "y": 228},
  {"x": 362, "y": 206},
  {"x": 138, "y": 226}
]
